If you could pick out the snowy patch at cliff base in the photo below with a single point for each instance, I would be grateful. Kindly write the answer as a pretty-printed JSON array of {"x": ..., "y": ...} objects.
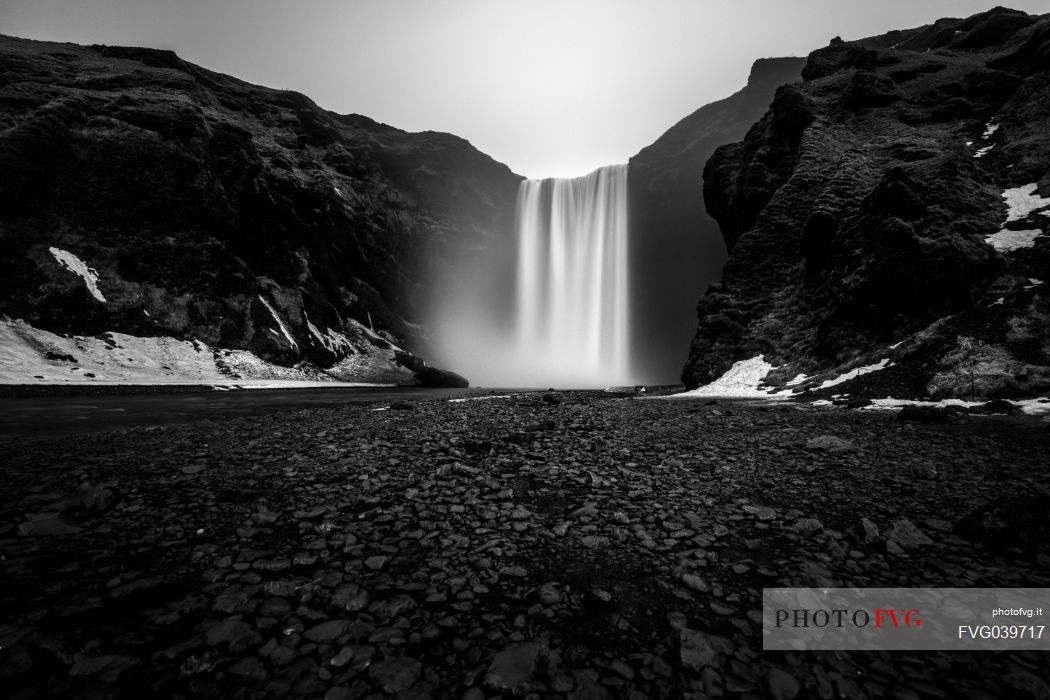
[
  {"x": 854, "y": 373},
  {"x": 744, "y": 379},
  {"x": 740, "y": 381},
  {"x": 31, "y": 355},
  {"x": 1032, "y": 407}
]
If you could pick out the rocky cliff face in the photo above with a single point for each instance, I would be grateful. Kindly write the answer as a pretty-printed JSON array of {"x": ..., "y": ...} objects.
[
  {"x": 145, "y": 195},
  {"x": 676, "y": 250},
  {"x": 893, "y": 206}
]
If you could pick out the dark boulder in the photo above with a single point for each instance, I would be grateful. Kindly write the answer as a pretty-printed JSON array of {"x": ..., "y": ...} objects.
[
  {"x": 923, "y": 414},
  {"x": 441, "y": 378},
  {"x": 1000, "y": 406},
  {"x": 1020, "y": 521}
]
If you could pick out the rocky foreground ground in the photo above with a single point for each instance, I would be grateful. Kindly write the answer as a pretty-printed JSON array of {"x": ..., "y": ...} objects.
[{"x": 568, "y": 546}]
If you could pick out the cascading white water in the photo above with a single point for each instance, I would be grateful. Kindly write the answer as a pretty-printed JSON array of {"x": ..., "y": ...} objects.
[{"x": 571, "y": 322}]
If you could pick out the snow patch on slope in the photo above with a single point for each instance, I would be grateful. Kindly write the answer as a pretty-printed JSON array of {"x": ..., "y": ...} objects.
[
  {"x": 334, "y": 341},
  {"x": 1031, "y": 407},
  {"x": 481, "y": 398},
  {"x": 1005, "y": 241},
  {"x": 1022, "y": 201},
  {"x": 856, "y": 372},
  {"x": 31, "y": 355},
  {"x": 740, "y": 381},
  {"x": 280, "y": 323},
  {"x": 79, "y": 268}
]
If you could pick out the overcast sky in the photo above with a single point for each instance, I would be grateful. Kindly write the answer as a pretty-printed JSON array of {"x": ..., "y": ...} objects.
[{"x": 549, "y": 87}]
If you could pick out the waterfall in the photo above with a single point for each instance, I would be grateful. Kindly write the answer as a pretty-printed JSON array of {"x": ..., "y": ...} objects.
[{"x": 571, "y": 292}]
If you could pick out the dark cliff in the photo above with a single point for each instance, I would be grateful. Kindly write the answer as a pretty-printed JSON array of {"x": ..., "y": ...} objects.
[
  {"x": 212, "y": 209},
  {"x": 676, "y": 250},
  {"x": 870, "y": 213}
]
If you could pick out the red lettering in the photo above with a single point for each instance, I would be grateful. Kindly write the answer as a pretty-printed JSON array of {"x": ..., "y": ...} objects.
[{"x": 880, "y": 614}]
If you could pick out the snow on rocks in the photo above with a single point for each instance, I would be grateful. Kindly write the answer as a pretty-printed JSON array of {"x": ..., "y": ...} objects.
[
  {"x": 744, "y": 378},
  {"x": 740, "y": 381},
  {"x": 856, "y": 372},
  {"x": 79, "y": 268},
  {"x": 1006, "y": 241},
  {"x": 1022, "y": 201},
  {"x": 1032, "y": 407},
  {"x": 33, "y": 355},
  {"x": 329, "y": 339},
  {"x": 280, "y": 324},
  {"x": 481, "y": 398}
]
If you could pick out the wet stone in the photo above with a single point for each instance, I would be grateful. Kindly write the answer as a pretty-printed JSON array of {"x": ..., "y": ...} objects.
[
  {"x": 248, "y": 668},
  {"x": 327, "y": 632},
  {"x": 395, "y": 674},
  {"x": 695, "y": 583},
  {"x": 761, "y": 512},
  {"x": 514, "y": 571},
  {"x": 869, "y": 532},
  {"x": 695, "y": 651},
  {"x": 807, "y": 526},
  {"x": 512, "y": 669},
  {"x": 48, "y": 525},
  {"x": 782, "y": 685},
  {"x": 830, "y": 444},
  {"x": 907, "y": 535},
  {"x": 342, "y": 658},
  {"x": 232, "y": 633},
  {"x": 376, "y": 563}
]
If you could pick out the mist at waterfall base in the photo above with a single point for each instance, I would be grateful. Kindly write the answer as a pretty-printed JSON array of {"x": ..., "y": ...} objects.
[
  {"x": 548, "y": 305},
  {"x": 567, "y": 296}
]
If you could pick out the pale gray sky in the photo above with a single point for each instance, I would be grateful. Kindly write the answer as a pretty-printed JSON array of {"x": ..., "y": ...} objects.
[{"x": 549, "y": 87}]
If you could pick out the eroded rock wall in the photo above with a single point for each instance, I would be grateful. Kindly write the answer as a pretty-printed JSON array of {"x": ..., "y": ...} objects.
[{"x": 864, "y": 213}]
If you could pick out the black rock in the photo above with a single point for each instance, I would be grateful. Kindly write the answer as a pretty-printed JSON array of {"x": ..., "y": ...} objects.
[
  {"x": 1001, "y": 406},
  {"x": 1015, "y": 521},
  {"x": 923, "y": 414},
  {"x": 441, "y": 378},
  {"x": 840, "y": 249},
  {"x": 243, "y": 216},
  {"x": 59, "y": 357}
]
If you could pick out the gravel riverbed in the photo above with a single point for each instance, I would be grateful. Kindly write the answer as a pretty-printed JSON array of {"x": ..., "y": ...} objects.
[{"x": 569, "y": 545}]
